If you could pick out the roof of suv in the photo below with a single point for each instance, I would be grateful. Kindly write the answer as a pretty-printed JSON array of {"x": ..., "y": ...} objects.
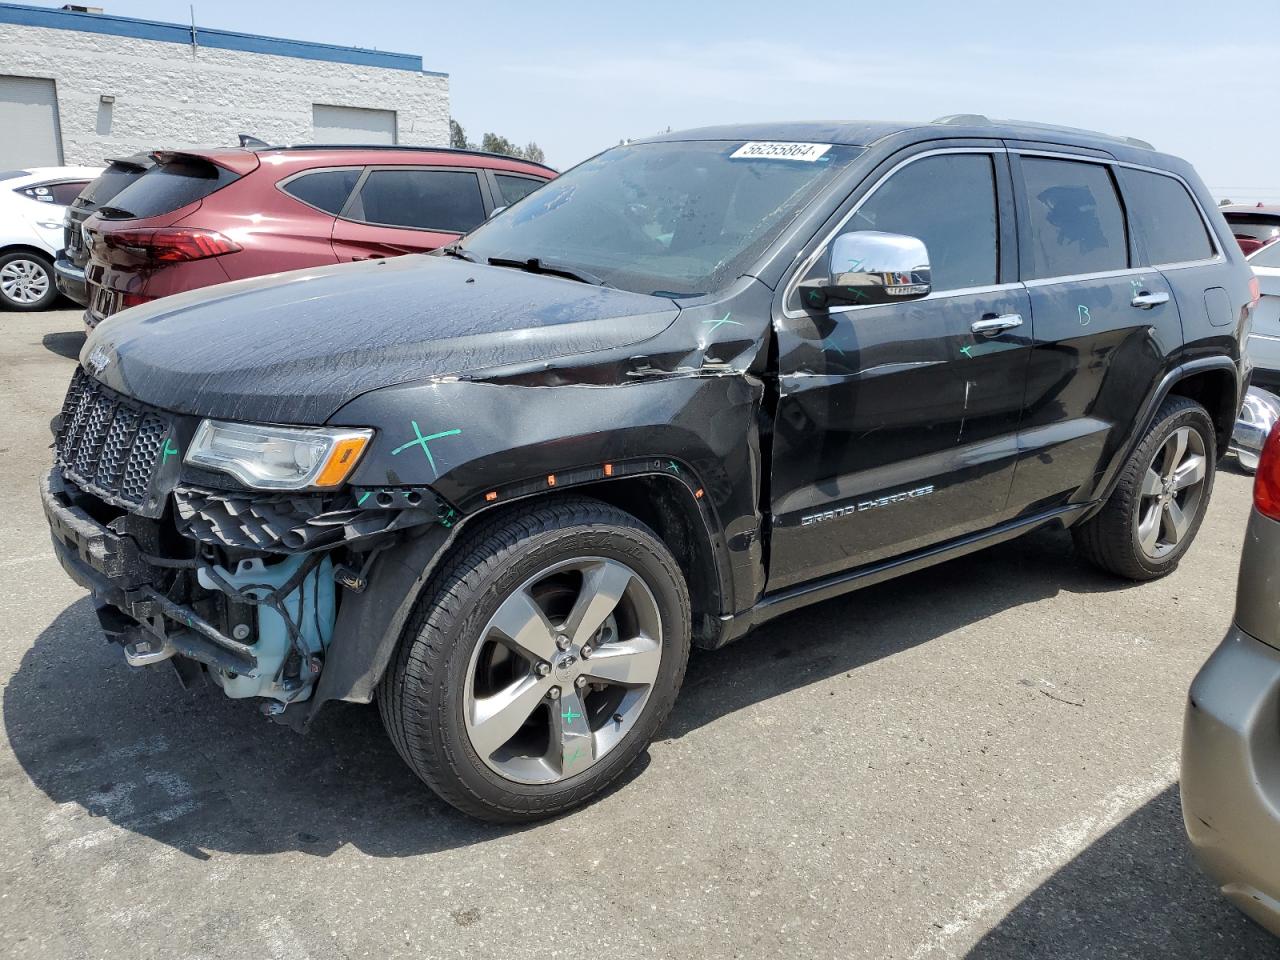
[
  {"x": 244, "y": 159},
  {"x": 866, "y": 133}
]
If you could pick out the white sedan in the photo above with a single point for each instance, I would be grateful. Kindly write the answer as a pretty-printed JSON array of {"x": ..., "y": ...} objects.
[
  {"x": 32, "y": 204},
  {"x": 1264, "y": 339}
]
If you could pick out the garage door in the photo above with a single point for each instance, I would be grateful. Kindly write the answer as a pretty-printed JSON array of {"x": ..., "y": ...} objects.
[
  {"x": 29, "y": 120},
  {"x": 352, "y": 125}
]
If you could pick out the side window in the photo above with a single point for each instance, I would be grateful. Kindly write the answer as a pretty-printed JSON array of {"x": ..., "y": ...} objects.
[
  {"x": 326, "y": 190},
  {"x": 1077, "y": 225},
  {"x": 515, "y": 188},
  {"x": 1163, "y": 212},
  {"x": 447, "y": 200},
  {"x": 949, "y": 202}
]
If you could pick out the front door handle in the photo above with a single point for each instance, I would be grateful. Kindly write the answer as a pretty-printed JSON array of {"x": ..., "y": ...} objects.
[
  {"x": 990, "y": 325},
  {"x": 1145, "y": 300}
]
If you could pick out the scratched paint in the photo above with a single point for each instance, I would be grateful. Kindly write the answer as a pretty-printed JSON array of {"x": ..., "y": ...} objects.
[
  {"x": 717, "y": 324},
  {"x": 421, "y": 441}
]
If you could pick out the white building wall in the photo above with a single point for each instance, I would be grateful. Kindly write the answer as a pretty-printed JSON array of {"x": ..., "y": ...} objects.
[{"x": 172, "y": 95}]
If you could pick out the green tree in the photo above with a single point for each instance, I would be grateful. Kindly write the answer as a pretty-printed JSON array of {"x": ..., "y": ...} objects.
[
  {"x": 534, "y": 152},
  {"x": 457, "y": 136}
]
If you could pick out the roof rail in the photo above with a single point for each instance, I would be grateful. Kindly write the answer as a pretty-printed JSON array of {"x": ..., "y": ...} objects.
[
  {"x": 964, "y": 120},
  {"x": 397, "y": 147},
  {"x": 978, "y": 120}
]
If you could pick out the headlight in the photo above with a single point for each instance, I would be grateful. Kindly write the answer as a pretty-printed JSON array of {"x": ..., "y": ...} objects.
[{"x": 278, "y": 458}]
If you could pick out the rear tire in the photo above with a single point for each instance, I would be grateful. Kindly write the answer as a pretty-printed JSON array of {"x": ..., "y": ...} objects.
[
  {"x": 491, "y": 699},
  {"x": 1155, "y": 510},
  {"x": 26, "y": 282}
]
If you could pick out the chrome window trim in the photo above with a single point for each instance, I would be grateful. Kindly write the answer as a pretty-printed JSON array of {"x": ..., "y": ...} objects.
[
  {"x": 941, "y": 295},
  {"x": 1083, "y": 277},
  {"x": 794, "y": 280}
]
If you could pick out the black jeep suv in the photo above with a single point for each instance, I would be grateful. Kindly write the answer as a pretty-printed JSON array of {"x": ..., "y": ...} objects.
[{"x": 696, "y": 382}]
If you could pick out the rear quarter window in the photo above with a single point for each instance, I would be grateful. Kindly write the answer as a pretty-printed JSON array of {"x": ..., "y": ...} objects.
[
  {"x": 326, "y": 190},
  {"x": 516, "y": 188},
  {"x": 1165, "y": 216},
  {"x": 1077, "y": 225},
  {"x": 167, "y": 187}
]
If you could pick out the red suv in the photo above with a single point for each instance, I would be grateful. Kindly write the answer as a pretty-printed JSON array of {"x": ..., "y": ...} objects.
[{"x": 200, "y": 217}]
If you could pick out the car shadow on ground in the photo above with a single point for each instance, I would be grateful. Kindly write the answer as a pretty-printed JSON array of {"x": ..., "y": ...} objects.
[
  {"x": 199, "y": 772},
  {"x": 66, "y": 344},
  {"x": 1105, "y": 901}
]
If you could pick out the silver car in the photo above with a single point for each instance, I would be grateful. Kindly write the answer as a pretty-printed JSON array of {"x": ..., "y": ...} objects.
[{"x": 1231, "y": 733}]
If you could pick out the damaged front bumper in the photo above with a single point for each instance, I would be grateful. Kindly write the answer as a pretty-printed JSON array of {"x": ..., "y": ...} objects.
[
  {"x": 248, "y": 584},
  {"x": 134, "y": 613}
]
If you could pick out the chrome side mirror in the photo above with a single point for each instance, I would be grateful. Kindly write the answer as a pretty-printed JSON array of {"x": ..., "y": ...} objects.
[{"x": 870, "y": 267}]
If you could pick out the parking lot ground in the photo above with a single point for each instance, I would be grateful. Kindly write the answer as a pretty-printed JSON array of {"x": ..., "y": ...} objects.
[{"x": 977, "y": 760}]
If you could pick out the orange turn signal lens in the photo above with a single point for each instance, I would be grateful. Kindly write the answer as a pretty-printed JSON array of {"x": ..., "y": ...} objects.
[{"x": 342, "y": 459}]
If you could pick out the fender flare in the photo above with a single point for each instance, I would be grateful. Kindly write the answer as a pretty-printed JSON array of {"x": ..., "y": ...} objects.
[
  {"x": 1148, "y": 414},
  {"x": 370, "y": 624}
]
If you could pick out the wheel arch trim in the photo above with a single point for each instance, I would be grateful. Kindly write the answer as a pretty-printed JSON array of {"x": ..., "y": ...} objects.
[{"x": 1147, "y": 415}]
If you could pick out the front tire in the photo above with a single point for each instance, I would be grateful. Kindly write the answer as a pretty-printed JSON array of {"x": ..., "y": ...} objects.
[
  {"x": 1155, "y": 511},
  {"x": 540, "y": 661},
  {"x": 26, "y": 282}
]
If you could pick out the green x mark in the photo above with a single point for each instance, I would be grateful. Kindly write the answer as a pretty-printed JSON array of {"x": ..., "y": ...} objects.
[
  {"x": 570, "y": 716},
  {"x": 422, "y": 441},
  {"x": 965, "y": 351},
  {"x": 716, "y": 324},
  {"x": 574, "y": 756},
  {"x": 169, "y": 450}
]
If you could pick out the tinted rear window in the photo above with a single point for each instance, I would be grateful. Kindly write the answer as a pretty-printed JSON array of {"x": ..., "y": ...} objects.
[
  {"x": 447, "y": 200},
  {"x": 1254, "y": 226},
  {"x": 167, "y": 187},
  {"x": 1163, "y": 212},
  {"x": 110, "y": 182},
  {"x": 326, "y": 189},
  {"x": 10, "y": 174},
  {"x": 515, "y": 188},
  {"x": 1076, "y": 222}
]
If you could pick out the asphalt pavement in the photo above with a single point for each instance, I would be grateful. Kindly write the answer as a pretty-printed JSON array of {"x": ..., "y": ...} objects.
[{"x": 976, "y": 760}]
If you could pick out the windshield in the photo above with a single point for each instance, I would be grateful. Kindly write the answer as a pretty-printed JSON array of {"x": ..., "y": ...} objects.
[{"x": 673, "y": 219}]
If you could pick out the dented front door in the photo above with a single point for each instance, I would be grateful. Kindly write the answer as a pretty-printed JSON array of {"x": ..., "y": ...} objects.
[
  {"x": 896, "y": 431},
  {"x": 897, "y": 424}
]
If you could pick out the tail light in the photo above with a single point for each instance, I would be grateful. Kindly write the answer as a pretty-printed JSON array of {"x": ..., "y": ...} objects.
[
  {"x": 170, "y": 244},
  {"x": 1266, "y": 482},
  {"x": 1255, "y": 292}
]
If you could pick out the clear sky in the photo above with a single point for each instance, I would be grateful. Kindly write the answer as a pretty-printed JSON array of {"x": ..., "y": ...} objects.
[{"x": 1201, "y": 80}]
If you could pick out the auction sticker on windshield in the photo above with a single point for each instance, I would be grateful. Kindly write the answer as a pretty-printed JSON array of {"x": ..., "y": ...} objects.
[{"x": 774, "y": 150}]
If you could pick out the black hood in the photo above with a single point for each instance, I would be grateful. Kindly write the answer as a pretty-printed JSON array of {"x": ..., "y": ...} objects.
[{"x": 294, "y": 347}]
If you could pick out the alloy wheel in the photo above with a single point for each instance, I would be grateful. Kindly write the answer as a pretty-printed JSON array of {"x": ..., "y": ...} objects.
[
  {"x": 563, "y": 670},
  {"x": 24, "y": 281},
  {"x": 1172, "y": 490}
]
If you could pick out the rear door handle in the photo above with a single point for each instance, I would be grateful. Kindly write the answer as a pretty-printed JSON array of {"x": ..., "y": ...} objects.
[
  {"x": 989, "y": 326},
  {"x": 1145, "y": 301}
]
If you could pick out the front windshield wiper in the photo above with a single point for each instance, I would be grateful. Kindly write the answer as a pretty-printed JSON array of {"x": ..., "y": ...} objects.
[
  {"x": 457, "y": 250},
  {"x": 538, "y": 265}
]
